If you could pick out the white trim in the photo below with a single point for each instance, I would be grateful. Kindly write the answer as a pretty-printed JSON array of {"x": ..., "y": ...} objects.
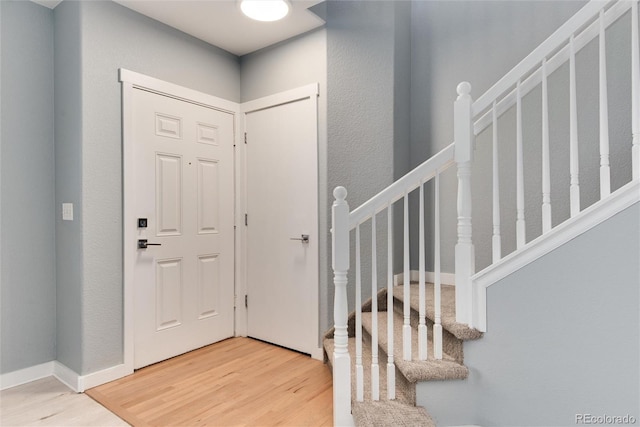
[
  {"x": 317, "y": 353},
  {"x": 561, "y": 35},
  {"x": 285, "y": 97},
  {"x": 26, "y": 375},
  {"x": 280, "y": 98},
  {"x": 131, "y": 80},
  {"x": 241, "y": 318},
  {"x": 595, "y": 214},
  {"x": 95, "y": 379},
  {"x": 414, "y": 276},
  {"x": 409, "y": 182},
  {"x": 67, "y": 376},
  {"x": 176, "y": 91}
]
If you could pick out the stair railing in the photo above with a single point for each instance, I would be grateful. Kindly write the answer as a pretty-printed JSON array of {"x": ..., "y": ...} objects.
[
  {"x": 470, "y": 119},
  {"x": 587, "y": 24},
  {"x": 345, "y": 221}
]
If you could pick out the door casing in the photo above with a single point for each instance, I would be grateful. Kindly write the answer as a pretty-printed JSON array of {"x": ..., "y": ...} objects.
[
  {"x": 131, "y": 80},
  {"x": 301, "y": 93}
]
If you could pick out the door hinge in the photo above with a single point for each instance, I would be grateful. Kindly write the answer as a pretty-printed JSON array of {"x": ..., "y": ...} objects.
[
  {"x": 245, "y": 137},
  {"x": 246, "y": 301},
  {"x": 246, "y": 219}
]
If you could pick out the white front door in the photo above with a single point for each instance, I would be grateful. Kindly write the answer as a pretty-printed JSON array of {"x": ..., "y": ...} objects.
[
  {"x": 183, "y": 199},
  {"x": 282, "y": 207}
]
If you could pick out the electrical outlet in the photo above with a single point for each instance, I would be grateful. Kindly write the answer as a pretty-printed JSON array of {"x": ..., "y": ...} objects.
[{"x": 67, "y": 211}]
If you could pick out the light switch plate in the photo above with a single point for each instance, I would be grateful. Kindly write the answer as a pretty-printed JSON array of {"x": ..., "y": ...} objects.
[{"x": 67, "y": 211}]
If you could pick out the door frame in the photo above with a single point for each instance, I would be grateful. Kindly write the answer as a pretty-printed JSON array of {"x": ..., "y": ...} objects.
[
  {"x": 285, "y": 97},
  {"x": 130, "y": 81}
]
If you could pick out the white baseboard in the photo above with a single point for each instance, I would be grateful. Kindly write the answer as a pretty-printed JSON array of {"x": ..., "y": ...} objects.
[
  {"x": 318, "y": 354},
  {"x": 76, "y": 382},
  {"x": 414, "y": 276},
  {"x": 26, "y": 375},
  {"x": 67, "y": 376},
  {"x": 104, "y": 376}
]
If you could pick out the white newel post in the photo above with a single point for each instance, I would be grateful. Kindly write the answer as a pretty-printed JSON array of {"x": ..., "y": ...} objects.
[
  {"x": 340, "y": 263},
  {"x": 464, "y": 252}
]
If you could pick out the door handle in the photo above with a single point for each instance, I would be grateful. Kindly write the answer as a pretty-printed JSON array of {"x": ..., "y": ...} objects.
[
  {"x": 143, "y": 243},
  {"x": 304, "y": 238}
]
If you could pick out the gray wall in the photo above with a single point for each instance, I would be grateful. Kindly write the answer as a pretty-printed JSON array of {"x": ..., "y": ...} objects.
[
  {"x": 28, "y": 307},
  {"x": 366, "y": 62},
  {"x": 288, "y": 65},
  {"x": 563, "y": 338},
  {"x": 68, "y": 183},
  {"x": 115, "y": 37},
  {"x": 479, "y": 42}
]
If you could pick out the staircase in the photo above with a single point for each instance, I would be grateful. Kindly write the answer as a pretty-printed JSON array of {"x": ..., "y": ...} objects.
[
  {"x": 402, "y": 411},
  {"x": 413, "y": 329}
]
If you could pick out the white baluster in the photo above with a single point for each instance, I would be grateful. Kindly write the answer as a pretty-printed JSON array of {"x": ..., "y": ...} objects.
[
  {"x": 464, "y": 251},
  {"x": 437, "y": 325},
  {"x": 605, "y": 174},
  {"x": 375, "y": 369},
  {"x": 521, "y": 238},
  {"x": 406, "y": 327},
  {"x": 546, "y": 164},
  {"x": 635, "y": 90},
  {"x": 422, "y": 324},
  {"x": 574, "y": 189},
  {"x": 496, "y": 239},
  {"x": 340, "y": 264},
  {"x": 359, "y": 368},
  {"x": 391, "y": 367}
]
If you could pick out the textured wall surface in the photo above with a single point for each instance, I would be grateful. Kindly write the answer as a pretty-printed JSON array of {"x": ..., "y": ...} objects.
[
  {"x": 288, "y": 65},
  {"x": 28, "y": 303},
  {"x": 563, "y": 338},
  {"x": 114, "y": 37},
  {"x": 360, "y": 73},
  {"x": 69, "y": 244},
  {"x": 479, "y": 42}
]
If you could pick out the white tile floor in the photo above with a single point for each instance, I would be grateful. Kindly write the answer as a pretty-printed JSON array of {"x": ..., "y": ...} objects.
[{"x": 48, "y": 402}]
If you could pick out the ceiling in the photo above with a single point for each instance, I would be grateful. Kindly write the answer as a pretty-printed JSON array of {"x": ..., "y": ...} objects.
[{"x": 220, "y": 22}]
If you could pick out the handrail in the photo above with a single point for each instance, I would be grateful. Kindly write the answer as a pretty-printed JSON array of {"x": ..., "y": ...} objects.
[
  {"x": 572, "y": 26},
  {"x": 534, "y": 79},
  {"x": 471, "y": 118},
  {"x": 407, "y": 183}
]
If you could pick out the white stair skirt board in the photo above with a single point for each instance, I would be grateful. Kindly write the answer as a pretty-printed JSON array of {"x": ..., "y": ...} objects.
[
  {"x": 595, "y": 214},
  {"x": 78, "y": 383},
  {"x": 445, "y": 278}
]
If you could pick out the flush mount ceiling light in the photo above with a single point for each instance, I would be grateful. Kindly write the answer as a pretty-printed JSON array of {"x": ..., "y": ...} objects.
[{"x": 265, "y": 10}]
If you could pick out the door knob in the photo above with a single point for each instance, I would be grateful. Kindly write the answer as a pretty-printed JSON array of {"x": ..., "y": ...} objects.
[
  {"x": 304, "y": 238},
  {"x": 143, "y": 243}
]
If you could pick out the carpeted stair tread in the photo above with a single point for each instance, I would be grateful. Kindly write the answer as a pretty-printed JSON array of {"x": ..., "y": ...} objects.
[
  {"x": 402, "y": 395},
  {"x": 414, "y": 370},
  {"x": 448, "y": 310},
  {"x": 390, "y": 414},
  {"x": 366, "y": 306}
]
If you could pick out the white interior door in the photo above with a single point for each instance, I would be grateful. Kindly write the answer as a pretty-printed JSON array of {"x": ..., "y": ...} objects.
[
  {"x": 282, "y": 204},
  {"x": 183, "y": 187}
]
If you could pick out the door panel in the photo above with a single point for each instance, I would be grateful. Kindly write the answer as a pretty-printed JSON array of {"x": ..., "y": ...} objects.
[
  {"x": 282, "y": 204},
  {"x": 184, "y": 286}
]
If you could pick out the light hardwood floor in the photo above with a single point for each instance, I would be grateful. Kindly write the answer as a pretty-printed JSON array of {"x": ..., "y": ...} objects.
[
  {"x": 48, "y": 402},
  {"x": 237, "y": 382}
]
